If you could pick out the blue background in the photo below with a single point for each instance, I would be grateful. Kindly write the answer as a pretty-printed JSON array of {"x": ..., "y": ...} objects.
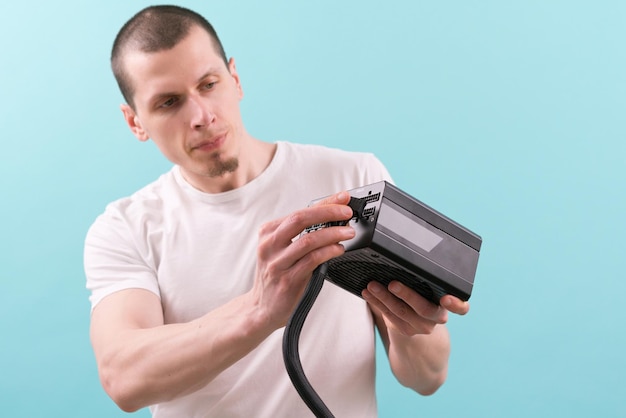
[{"x": 508, "y": 116}]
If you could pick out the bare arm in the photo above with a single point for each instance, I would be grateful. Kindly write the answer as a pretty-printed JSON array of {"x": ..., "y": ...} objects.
[
  {"x": 414, "y": 333},
  {"x": 141, "y": 361}
]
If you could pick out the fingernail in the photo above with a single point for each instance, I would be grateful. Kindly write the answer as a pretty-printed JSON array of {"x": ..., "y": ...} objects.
[
  {"x": 375, "y": 288},
  {"x": 395, "y": 288},
  {"x": 348, "y": 232},
  {"x": 342, "y": 195}
]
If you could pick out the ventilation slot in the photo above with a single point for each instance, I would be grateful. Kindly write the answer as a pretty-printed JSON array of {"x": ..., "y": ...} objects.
[{"x": 354, "y": 270}]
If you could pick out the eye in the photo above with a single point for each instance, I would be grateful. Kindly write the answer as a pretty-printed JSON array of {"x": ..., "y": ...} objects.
[
  {"x": 210, "y": 85},
  {"x": 168, "y": 103}
]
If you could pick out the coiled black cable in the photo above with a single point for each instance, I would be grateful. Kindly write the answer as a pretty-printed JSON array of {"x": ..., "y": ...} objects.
[{"x": 291, "y": 339}]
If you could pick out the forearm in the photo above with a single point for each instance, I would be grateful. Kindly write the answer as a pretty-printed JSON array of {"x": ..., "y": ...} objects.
[
  {"x": 141, "y": 366},
  {"x": 414, "y": 333},
  {"x": 420, "y": 361}
]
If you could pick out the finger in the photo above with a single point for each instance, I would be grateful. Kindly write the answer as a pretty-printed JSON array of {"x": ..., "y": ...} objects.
[
  {"x": 341, "y": 198},
  {"x": 269, "y": 227},
  {"x": 278, "y": 234},
  {"x": 296, "y": 222},
  {"x": 306, "y": 252},
  {"x": 455, "y": 305},
  {"x": 403, "y": 316},
  {"x": 308, "y": 263},
  {"x": 311, "y": 249},
  {"x": 390, "y": 318},
  {"x": 418, "y": 303}
]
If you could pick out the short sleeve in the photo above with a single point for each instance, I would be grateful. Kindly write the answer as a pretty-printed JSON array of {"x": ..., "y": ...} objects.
[{"x": 115, "y": 257}]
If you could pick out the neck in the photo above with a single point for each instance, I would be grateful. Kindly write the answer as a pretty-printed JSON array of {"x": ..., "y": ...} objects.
[{"x": 254, "y": 157}]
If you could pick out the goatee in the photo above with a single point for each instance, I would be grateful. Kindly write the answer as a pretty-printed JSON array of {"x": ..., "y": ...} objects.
[{"x": 222, "y": 167}]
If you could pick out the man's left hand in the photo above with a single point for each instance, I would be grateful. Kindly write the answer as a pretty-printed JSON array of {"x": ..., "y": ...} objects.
[{"x": 407, "y": 311}]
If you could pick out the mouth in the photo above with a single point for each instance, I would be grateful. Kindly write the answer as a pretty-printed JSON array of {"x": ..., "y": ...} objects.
[{"x": 210, "y": 144}]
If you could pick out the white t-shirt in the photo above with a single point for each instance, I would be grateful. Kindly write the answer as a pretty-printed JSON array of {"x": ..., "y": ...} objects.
[{"x": 197, "y": 251}]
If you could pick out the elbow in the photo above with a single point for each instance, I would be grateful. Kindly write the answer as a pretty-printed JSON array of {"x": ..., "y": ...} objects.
[
  {"x": 126, "y": 404},
  {"x": 431, "y": 386},
  {"x": 424, "y": 384},
  {"x": 120, "y": 390},
  {"x": 127, "y": 407}
]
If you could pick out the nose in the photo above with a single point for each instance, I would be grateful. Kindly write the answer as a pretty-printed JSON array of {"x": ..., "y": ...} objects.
[{"x": 201, "y": 114}]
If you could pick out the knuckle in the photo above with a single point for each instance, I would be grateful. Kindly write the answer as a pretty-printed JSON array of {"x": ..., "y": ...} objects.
[
  {"x": 265, "y": 246},
  {"x": 401, "y": 310},
  {"x": 432, "y": 312},
  {"x": 314, "y": 258},
  {"x": 384, "y": 309},
  {"x": 303, "y": 242},
  {"x": 265, "y": 228},
  {"x": 296, "y": 217},
  {"x": 407, "y": 330},
  {"x": 272, "y": 269}
]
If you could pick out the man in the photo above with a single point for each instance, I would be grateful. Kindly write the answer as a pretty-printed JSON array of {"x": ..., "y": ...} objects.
[{"x": 194, "y": 276}]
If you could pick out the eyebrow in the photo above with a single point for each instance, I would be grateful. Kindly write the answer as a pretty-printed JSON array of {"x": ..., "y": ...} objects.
[
  {"x": 157, "y": 97},
  {"x": 211, "y": 71}
]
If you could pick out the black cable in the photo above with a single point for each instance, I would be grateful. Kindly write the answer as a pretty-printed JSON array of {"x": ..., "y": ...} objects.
[
  {"x": 291, "y": 337},
  {"x": 291, "y": 340}
]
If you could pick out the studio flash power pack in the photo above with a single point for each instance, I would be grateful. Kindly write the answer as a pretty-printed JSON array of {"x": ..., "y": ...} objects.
[{"x": 400, "y": 238}]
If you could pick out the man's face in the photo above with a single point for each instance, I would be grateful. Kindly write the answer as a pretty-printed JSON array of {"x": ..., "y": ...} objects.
[{"x": 187, "y": 102}]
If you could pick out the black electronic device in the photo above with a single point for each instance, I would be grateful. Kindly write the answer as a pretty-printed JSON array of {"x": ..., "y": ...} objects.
[
  {"x": 397, "y": 238},
  {"x": 400, "y": 238}
]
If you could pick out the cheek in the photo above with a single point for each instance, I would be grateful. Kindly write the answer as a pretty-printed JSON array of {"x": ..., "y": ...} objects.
[
  {"x": 234, "y": 111},
  {"x": 168, "y": 140},
  {"x": 168, "y": 128},
  {"x": 167, "y": 150}
]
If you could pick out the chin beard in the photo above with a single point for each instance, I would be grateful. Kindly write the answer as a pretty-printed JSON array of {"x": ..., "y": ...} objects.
[{"x": 222, "y": 167}]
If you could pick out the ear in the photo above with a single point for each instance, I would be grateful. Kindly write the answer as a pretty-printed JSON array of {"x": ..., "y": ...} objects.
[
  {"x": 233, "y": 72},
  {"x": 134, "y": 123}
]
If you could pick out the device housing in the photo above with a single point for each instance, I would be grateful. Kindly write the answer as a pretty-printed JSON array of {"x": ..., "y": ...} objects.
[{"x": 400, "y": 238}]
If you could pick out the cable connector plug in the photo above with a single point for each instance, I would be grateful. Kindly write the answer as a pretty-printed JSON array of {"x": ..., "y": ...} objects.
[{"x": 358, "y": 207}]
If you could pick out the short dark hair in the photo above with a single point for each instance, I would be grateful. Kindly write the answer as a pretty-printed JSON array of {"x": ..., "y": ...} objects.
[{"x": 153, "y": 29}]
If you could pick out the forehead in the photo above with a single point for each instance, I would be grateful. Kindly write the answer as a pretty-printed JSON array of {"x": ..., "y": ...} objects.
[{"x": 153, "y": 73}]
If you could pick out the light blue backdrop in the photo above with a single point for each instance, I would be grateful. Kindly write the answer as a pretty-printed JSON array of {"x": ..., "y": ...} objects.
[{"x": 508, "y": 116}]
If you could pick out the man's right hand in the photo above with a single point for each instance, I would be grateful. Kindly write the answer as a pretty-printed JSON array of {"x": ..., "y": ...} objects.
[{"x": 285, "y": 264}]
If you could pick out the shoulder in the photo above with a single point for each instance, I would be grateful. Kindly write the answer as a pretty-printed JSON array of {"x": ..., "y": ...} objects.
[
  {"x": 139, "y": 208},
  {"x": 329, "y": 156},
  {"x": 327, "y": 170},
  {"x": 319, "y": 150}
]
